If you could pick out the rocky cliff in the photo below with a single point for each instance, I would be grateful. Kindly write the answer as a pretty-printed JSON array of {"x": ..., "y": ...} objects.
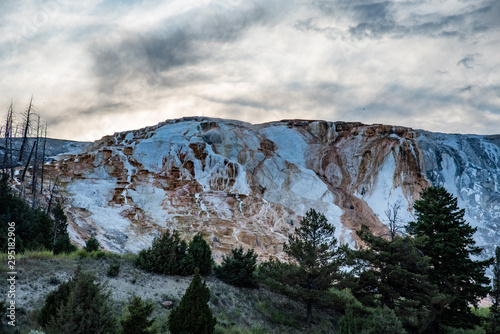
[{"x": 244, "y": 184}]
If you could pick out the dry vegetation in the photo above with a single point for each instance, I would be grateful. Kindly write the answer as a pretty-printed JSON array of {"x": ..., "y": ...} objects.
[{"x": 237, "y": 310}]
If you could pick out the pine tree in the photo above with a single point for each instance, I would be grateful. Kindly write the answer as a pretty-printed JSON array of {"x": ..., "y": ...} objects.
[
  {"x": 62, "y": 242},
  {"x": 87, "y": 311},
  {"x": 166, "y": 255},
  {"x": 393, "y": 273},
  {"x": 199, "y": 256},
  {"x": 315, "y": 261},
  {"x": 92, "y": 245},
  {"x": 54, "y": 301},
  {"x": 450, "y": 245},
  {"x": 238, "y": 269},
  {"x": 135, "y": 319},
  {"x": 193, "y": 316},
  {"x": 495, "y": 295}
]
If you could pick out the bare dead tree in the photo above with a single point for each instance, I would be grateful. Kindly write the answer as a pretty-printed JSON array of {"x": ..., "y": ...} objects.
[
  {"x": 43, "y": 158},
  {"x": 395, "y": 222},
  {"x": 27, "y": 116},
  {"x": 35, "y": 165},
  {"x": 52, "y": 193},
  {"x": 35, "y": 158},
  {"x": 28, "y": 162},
  {"x": 7, "y": 157}
]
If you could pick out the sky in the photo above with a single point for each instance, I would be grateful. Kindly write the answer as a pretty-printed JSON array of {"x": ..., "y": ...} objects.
[{"x": 97, "y": 67}]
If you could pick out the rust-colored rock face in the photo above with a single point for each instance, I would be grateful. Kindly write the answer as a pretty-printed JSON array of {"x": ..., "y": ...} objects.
[{"x": 239, "y": 184}]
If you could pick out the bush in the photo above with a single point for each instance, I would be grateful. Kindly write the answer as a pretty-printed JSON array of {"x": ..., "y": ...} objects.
[
  {"x": 166, "y": 256},
  {"x": 238, "y": 269},
  {"x": 55, "y": 300},
  {"x": 82, "y": 253},
  {"x": 199, "y": 256},
  {"x": 100, "y": 254},
  {"x": 92, "y": 245},
  {"x": 384, "y": 321},
  {"x": 85, "y": 309},
  {"x": 193, "y": 314},
  {"x": 63, "y": 245},
  {"x": 114, "y": 269},
  {"x": 135, "y": 318}
]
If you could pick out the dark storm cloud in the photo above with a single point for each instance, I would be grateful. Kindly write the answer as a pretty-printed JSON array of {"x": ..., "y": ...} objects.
[
  {"x": 468, "y": 61},
  {"x": 190, "y": 39},
  {"x": 379, "y": 19}
]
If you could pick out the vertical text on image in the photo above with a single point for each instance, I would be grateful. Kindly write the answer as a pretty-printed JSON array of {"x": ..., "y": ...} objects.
[{"x": 11, "y": 274}]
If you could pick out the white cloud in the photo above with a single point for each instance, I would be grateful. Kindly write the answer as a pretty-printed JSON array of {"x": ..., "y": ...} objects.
[{"x": 103, "y": 66}]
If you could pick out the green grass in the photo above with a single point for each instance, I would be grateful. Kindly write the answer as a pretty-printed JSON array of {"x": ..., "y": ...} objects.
[
  {"x": 483, "y": 312},
  {"x": 79, "y": 254}
]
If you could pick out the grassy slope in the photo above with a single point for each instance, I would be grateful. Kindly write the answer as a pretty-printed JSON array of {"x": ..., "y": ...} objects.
[{"x": 237, "y": 310}]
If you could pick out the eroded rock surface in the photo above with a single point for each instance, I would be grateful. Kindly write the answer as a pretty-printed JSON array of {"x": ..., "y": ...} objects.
[{"x": 248, "y": 185}]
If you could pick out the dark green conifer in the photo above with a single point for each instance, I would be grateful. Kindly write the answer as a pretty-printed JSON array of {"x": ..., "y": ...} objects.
[
  {"x": 314, "y": 263},
  {"x": 166, "y": 255},
  {"x": 135, "y": 318},
  {"x": 54, "y": 301},
  {"x": 92, "y": 245},
  {"x": 87, "y": 311},
  {"x": 450, "y": 246},
  {"x": 393, "y": 274},
  {"x": 199, "y": 256},
  {"x": 193, "y": 316},
  {"x": 238, "y": 269},
  {"x": 62, "y": 242},
  {"x": 495, "y": 295}
]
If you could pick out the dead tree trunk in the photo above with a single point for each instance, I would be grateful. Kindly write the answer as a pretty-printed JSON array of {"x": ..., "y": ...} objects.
[
  {"x": 51, "y": 196},
  {"x": 26, "y": 130},
  {"x": 28, "y": 162},
  {"x": 43, "y": 158},
  {"x": 35, "y": 165},
  {"x": 8, "y": 140},
  {"x": 35, "y": 160}
]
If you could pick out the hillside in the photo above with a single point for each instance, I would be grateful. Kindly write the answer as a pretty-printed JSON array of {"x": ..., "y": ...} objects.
[{"x": 245, "y": 184}]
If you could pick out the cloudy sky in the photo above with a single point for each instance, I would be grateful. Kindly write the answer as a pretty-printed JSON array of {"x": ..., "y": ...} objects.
[{"x": 96, "y": 67}]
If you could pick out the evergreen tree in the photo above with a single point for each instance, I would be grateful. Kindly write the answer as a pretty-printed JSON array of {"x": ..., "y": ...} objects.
[
  {"x": 43, "y": 227},
  {"x": 54, "y": 301},
  {"x": 315, "y": 261},
  {"x": 166, "y": 256},
  {"x": 238, "y": 269},
  {"x": 495, "y": 295},
  {"x": 62, "y": 242},
  {"x": 87, "y": 310},
  {"x": 384, "y": 321},
  {"x": 392, "y": 273},
  {"x": 450, "y": 245},
  {"x": 199, "y": 256},
  {"x": 193, "y": 316},
  {"x": 92, "y": 245},
  {"x": 135, "y": 319}
]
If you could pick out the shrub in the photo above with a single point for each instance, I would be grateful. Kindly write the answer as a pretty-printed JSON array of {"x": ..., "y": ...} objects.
[
  {"x": 100, "y": 254},
  {"x": 193, "y": 314},
  {"x": 92, "y": 245},
  {"x": 199, "y": 256},
  {"x": 114, "y": 269},
  {"x": 82, "y": 253},
  {"x": 384, "y": 321},
  {"x": 166, "y": 256},
  {"x": 135, "y": 318},
  {"x": 238, "y": 269},
  {"x": 55, "y": 300},
  {"x": 63, "y": 245},
  {"x": 86, "y": 310}
]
